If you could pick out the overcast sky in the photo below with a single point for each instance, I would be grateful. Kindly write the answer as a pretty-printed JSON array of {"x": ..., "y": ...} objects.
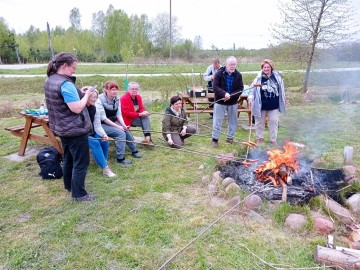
[{"x": 219, "y": 23}]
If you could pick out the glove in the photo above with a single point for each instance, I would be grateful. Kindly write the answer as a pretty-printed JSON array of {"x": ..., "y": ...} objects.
[{"x": 183, "y": 132}]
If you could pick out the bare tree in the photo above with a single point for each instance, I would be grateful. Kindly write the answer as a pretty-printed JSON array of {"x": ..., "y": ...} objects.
[
  {"x": 161, "y": 30},
  {"x": 98, "y": 23},
  {"x": 311, "y": 23},
  {"x": 75, "y": 18}
]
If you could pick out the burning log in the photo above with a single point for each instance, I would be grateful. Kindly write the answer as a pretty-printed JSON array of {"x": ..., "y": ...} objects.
[
  {"x": 338, "y": 258},
  {"x": 284, "y": 190}
]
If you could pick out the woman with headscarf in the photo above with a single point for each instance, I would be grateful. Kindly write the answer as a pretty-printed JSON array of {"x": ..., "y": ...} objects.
[{"x": 267, "y": 99}]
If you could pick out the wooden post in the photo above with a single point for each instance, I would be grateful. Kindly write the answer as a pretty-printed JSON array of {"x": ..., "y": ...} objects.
[{"x": 348, "y": 155}]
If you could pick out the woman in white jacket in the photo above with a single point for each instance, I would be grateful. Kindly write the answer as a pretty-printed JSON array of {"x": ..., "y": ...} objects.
[{"x": 267, "y": 99}]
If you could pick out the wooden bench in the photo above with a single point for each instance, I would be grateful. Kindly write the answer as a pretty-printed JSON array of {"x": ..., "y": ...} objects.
[
  {"x": 16, "y": 130},
  {"x": 200, "y": 105},
  {"x": 24, "y": 132}
]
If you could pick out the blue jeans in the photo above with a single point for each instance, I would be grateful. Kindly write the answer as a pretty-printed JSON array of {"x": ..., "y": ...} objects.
[
  {"x": 76, "y": 159},
  {"x": 218, "y": 118},
  {"x": 121, "y": 138},
  {"x": 99, "y": 150}
]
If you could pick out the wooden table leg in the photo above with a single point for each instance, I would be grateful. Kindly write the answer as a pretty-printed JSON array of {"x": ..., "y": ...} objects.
[
  {"x": 54, "y": 141},
  {"x": 25, "y": 136}
]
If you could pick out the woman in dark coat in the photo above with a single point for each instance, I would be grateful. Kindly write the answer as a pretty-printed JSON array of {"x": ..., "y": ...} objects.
[{"x": 175, "y": 127}]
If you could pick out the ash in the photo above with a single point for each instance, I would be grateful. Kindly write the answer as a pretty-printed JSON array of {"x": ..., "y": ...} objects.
[{"x": 306, "y": 184}]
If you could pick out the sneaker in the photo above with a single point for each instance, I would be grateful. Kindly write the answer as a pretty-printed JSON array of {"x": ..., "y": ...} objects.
[
  {"x": 259, "y": 141},
  {"x": 108, "y": 173},
  {"x": 136, "y": 155},
  {"x": 124, "y": 161},
  {"x": 231, "y": 141},
  {"x": 214, "y": 144},
  {"x": 87, "y": 197}
]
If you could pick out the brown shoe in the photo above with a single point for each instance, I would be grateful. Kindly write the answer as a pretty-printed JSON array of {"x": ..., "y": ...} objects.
[
  {"x": 214, "y": 144},
  {"x": 148, "y": 142}
]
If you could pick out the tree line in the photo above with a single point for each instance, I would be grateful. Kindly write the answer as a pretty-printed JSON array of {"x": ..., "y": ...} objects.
[
  {"x": 310, "y": 30},
  {"x": 114, "y": 37}
]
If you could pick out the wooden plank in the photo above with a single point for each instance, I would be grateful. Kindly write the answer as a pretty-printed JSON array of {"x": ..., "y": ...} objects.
[{"x": 21, "y": 127}]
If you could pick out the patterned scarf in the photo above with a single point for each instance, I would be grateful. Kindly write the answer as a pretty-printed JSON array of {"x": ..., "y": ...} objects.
[{"x": 271, "y": 85}]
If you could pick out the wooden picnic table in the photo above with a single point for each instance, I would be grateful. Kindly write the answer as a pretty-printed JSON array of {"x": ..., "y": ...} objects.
[
  {"x": 201, "y": 104},
  {"x": 24, "y": 132}
]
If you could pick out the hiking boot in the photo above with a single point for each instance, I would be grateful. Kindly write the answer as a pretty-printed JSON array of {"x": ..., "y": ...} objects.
[
  {"x": 108, "y": 173},
  {"x": 124, "y": 161},
  {"x": 87, "y": 197},
  {"x": 214, "y": 144},
  {"x": 231, "y": 141},
  {"x": 136, "y": 155}
]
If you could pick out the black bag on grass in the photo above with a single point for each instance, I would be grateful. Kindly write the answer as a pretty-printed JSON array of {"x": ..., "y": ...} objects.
[{"x": 49, "y": 160}]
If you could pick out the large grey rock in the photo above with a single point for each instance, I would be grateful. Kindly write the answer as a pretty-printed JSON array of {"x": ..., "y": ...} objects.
[{"x": 354, "y": 203}]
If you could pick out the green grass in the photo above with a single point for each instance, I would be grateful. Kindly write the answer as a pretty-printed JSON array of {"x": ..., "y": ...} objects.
[{"x": 160, "y": 203}]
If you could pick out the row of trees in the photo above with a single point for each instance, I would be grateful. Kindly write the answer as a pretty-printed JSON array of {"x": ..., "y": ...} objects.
[
  {"x": 307, "y": 26},
  {"x": 114, "y": 37}
]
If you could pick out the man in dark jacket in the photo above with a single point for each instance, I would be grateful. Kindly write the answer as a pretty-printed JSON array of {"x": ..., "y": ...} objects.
[{"x": 228, "y": 86}]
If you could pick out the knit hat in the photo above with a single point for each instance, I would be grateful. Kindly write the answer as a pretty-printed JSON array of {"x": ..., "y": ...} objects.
[{"x": 268, "y": 61}]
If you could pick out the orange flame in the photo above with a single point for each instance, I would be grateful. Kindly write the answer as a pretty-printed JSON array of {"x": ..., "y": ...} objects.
[{"x": 268, "y": 170}]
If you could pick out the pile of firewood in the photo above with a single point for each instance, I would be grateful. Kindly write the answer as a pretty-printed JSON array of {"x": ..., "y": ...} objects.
[{"x": 339, "y": 257}]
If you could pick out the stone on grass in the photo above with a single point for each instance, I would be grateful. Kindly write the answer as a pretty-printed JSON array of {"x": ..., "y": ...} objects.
[
  {"x": 295, "y": 221},
  {"x": 354, "y": 203},
  {"x": 252, "y": 202},
  {"x": 212, "y": 188},
  {"x": 349, "y": 172},
  {"x": 227, "y": 181},
  {"x": 232, "y": 189},
  {"x": 234, "y": 200},
  {"x": 323, "y": 225},
  {"x": 216, "y": 178}
]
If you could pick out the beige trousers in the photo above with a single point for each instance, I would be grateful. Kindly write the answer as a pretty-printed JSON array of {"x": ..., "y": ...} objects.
[{"x": 273, "y": 117}]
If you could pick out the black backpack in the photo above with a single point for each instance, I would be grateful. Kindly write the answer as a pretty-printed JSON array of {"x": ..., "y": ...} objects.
[{"x": 50, "y": 161}]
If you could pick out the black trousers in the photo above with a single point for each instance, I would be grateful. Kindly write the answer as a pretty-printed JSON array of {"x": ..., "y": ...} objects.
[{"x": 76, "y": 160}]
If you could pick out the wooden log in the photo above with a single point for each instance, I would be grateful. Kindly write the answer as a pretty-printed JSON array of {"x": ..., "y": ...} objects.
[
  {"x": 337, "y": 259},
  {"x": 284, "y": 190}
]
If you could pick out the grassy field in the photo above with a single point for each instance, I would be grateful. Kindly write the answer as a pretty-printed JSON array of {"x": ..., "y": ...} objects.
[{"x": 161, "y": 203}]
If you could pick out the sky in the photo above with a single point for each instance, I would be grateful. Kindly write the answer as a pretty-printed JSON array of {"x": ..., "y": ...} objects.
[{"x": 244, "y": 24}]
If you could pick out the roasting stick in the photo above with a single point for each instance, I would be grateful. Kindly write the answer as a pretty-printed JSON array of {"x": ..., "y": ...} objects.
[
  {"x": 183, "y": 149},
  {"x": 255, "y": 85},
  {"x": 174, "y": 132},
  {"x": 237, "y": 139}
]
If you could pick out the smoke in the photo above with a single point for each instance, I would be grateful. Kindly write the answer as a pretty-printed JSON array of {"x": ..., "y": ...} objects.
[{"x": 329, "y": 121}]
